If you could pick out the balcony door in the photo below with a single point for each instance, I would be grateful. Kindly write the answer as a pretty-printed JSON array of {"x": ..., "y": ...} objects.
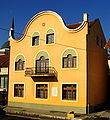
[{"x": 42, "y": 65}]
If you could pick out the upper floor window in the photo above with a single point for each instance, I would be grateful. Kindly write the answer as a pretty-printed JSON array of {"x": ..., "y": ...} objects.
[
  {"x": 19, "y": 63},
  {"x": 50, "y": 36},
  {"x": 35, "y": 39},
  {"x": 97, "y": 40},
  {"x": 42, "y": 65},
  {"x": 69, "y": 59},
  {"x": 3, "y": 81},
  {"x": 42, "y": 62}
]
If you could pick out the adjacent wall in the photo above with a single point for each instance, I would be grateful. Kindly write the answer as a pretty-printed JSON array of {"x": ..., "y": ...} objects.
[{"x": 97, "y": 66}]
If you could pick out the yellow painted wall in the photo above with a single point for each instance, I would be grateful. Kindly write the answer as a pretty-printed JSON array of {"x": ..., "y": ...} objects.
[
  {"x": 97, "y": 66},
  {"x": 64, "y": 39}
]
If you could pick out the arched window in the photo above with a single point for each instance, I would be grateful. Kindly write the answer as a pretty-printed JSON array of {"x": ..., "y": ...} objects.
[
  {"x": 42, "y": 62},
  {"x": 19, "y": 62},
  {"x": 50, "y": 36},
  {"x": 69, "y": 59},
  {"x": 35, "y": 39}
]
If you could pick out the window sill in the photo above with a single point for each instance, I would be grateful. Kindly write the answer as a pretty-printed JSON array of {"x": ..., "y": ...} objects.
[
  {"x": 35, "y": 45},
  {"x": 40, "y": 99},
  {"x": 69, "y": 100},
  {"x": 69, "y": 68},
  {"x": 50, "y": 44},
  {"x": 18, "y": 97},
  {"x": 19, "y": 70}
]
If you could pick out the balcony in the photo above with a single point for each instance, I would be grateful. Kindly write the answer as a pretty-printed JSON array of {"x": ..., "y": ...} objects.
[{"x": 41, "y": 72}]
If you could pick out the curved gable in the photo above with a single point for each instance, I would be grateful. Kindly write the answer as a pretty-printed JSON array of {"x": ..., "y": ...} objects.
[{"x": 48, "y": 13}]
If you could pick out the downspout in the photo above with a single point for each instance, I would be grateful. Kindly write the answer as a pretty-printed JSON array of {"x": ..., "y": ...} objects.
[
  {"x": 87, "y": 82},
  {"x": 85, "y": 17}
]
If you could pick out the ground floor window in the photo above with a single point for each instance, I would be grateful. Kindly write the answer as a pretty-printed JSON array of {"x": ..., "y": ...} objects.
[
  {"x": 69, "y": 91},
  {"x": 42, "y": 91},
  {"x": 3, "y": 81},
  {"x": 18, "y": 90}
]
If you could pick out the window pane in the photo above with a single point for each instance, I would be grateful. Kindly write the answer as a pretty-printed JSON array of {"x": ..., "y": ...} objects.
[
  {"x": 69, "y": 92},
  {"x": 47, "y": 66},
  {"x": 42, "y": 65},
  {"x": 18, "y": 90},
  {"x": 35, "y": 40},
  {"x": 19, "y": 65},
  {"x": 69, "y": 62},
  {"x": 6, "y": 80},
  {"x": 74, "y": 62},
  {"x": 42, "y": 91},
  {"x": 2, "y": 82},
  {"x": 37, "y": 66},
  {"x": 50, "y": 38},
  {"x": 64, "y": 63}
]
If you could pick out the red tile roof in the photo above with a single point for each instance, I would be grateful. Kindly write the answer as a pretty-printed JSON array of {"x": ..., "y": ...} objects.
[
  {"x": 73, "y": 26},
  {"x": 4, "y": 61},
  {"x": 108, "y": 44}
]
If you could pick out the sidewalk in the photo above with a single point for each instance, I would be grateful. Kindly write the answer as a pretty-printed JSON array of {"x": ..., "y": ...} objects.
[
  {"x": 35, "y": 113},
  {"x": 55, "y": 115}
]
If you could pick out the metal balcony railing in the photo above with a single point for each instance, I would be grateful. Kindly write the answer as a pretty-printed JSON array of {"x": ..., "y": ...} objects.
[{"x": 40, "y": 71}]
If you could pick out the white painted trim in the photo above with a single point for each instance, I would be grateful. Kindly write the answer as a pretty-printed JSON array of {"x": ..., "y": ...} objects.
[
  {"x": 77, "y": 92},
  {"x": 19, "y": 71},
  {"x": 58, "y": 16},
  {"x": 76, "y": 61},
  {"x": 35, "y": 91},
  {"x": 48, "y": 13},
  {"x": 24, "y": 90}
]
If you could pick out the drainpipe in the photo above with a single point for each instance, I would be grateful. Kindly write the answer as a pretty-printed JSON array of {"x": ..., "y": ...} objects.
[{"x": 85, "y": 18}]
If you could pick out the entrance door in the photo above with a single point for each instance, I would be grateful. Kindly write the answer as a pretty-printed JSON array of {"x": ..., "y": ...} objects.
[{"x": 42, "y": 65}]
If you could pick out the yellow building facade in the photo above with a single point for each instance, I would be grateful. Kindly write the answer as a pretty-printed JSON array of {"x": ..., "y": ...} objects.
[{"x": 58, "y": 67}]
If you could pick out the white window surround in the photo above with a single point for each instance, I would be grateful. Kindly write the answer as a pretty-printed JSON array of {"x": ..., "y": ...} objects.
[
  {"x": 35, "y": 91},
  {"x": 24, "y": 90},
  {"x": 76, "y": 93}
]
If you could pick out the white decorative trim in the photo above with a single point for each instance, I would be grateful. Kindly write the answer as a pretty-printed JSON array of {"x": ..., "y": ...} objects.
[{"x": 48, "y": 13}]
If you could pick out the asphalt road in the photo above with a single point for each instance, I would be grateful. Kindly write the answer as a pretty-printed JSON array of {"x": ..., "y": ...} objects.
[
  {"x": 13, "y": 117},
  {"x": 8, "y": 117}
]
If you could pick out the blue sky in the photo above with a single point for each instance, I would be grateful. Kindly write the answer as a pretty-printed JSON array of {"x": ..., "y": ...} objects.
[{"x": 70, "y": 10}]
